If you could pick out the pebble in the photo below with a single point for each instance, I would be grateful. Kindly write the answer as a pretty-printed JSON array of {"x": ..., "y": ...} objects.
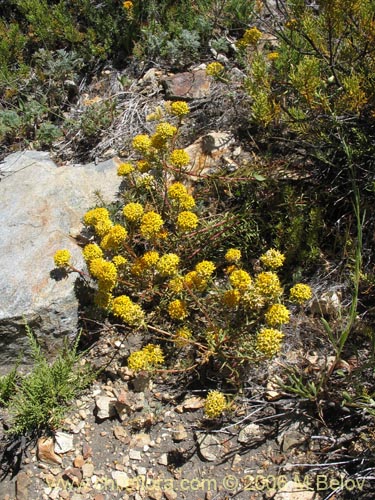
[
  {"x": 79, "y": 461},
  {"x": 63, "y": 442},
  {"x": 135, "y": 455},
  {"x": 87, "y": 470}
]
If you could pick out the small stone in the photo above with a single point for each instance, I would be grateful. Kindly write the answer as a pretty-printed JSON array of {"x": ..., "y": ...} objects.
[
  {"x": 135, "y": 455},
  {"x": 22, "y": 484},
  {"x": 170, "y": 494},
  {"x": 74, "y": 475},
  {"x": 99, "y": 496},
  {"x": 292, "y": 439},
  {"x": 83, "y": 414},
  {"x": 63, "y": 442},
  {"x": 87, "y": 470},
  {"x": 236, "y": 460},
  {"x": 86, "y": 451},
  {"x": 140, "y": 440},
  {"x": 121, "y": 478},
  {"x": 209, "y": 447},
  {"x": 252, "y": 433},
  {"x": 163, "y": 459},
  {"x": 141, "y": 471},
  {"x": 179, "y": 433},
  {"x": 46, "y": 451},
  {"x": 155, "y": 494},
  {"x": 105, "y": 406},
  {"x": 141, "y": 382},
  {"x": 54, "y": 495},
  {"x": 76, "y": 429},
  {"x": 121, "y": 434},
  {"x": 79, "y": 461},
  {"x": 294, "y": 491},
  {"x": 193, "y": 403}
]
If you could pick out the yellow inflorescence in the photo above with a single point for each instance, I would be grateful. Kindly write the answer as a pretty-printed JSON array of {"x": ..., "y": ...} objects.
[
  {"x": 177, "y": 309},
  {"x": 180, "y": 108},
  {"x": 128, "y": 5},
  {"x": 92, "y": 251},
  {"x": 272, "y": 259},
  {"x": 133, "y": 211},
  {"x": 268, "y": 285},
  {"x": 142, "y": 143},
  {"x": 176, "y": 191},
  {"x": 186, "y": 202},
  {"x": 165, "y": 130},
  {"x": 96, "y": 215},
  {"x": 250, "y": 37},
  {"x": 179, "y": 158},
  {"x": 194, "y": 281},
  {"x": 125, "y": 169},
  {"x": 102, "y": 227},
  {"x": 300, "y": 293},
  {"x": 151, "y": 224},
  {"x": 114, "y": 238},
  {"x": 215, "y": 69},
  {"x": 168, "y": 264},
  {"x": 277, "y": 314},
  {"x": 182, "y": 337},
  {"x": 240, "y": 279},
  {"x": 104, "y": 271},
  {"x": 150, "y": 258},
  {"x": 233, "y": 255},
  {"x": 119, "y": 261},
  {"x": 146, "y": 359},
  {"x": 62, "y": 258},
  {"x": 272, "y": 56},
  {"x": 269, "y": 341},
  {"x": 215, "y": 404},
  {"x": 130, "y": 313},
  {"x": 231, "y": 298},
  {"x": 187, "y": 221},
  {"x": 205, "y": 268},
  {"x": 176, "y": 285},
  {"x": 143, "y": 166}
]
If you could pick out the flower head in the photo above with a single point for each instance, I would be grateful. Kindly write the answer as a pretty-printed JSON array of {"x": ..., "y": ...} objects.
[
  {"x": 231, "y": 298},
  {"x": 125, "y": 169},
  {"x": 142, "y": 143},
  {"x": 104, "y": 271},
  {"x": 268, "y": 341},
  {"x": 179, "y": 158},
  {"x": 62, "y": 258},
  {"x": 215, "y": 69},
  {"x": 167, "y": 264},
  {"x": 150, "y": 258},
  {"x": 187, "y": 221},
  {"x": 95, "y": 215},
  {"x": 146, "y": 359},
  {"x": 151, "y": 224},
  {"x": 114, "y": 238},
  {"x": 177, "y": 309},
  {"x": 240, "y": 279},
  {"x": 186, "y": 202},
  {"x": 180, "y": 108},
  {"x": 205, "y": 268},
  {"x": 133, "y": 211},
  {"x": 233, "y": 255},
  {"x": 300, "y": 293},
  {"x": 130, "y": 313},
  {"x": 128, "y": 5},
  {"x": 250, "y": 37},
  {"x": 92, "y": 251},
  {"x": 119, "y": 261},
  {"x": 143, "y": 166},
  {"x": 194, "y": 281},
  {"x": 215, "y": 404},
  {"x": 272, "y": 259},
  {"x": 277, "y": 314},
  {"x": 268, "y": 285},
  {"x": 182, "y": 337},
  {"x": 176, "y": 191},
  {"x": 176, "y": 285}
]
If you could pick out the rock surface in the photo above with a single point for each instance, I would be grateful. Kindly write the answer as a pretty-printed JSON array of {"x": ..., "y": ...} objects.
[{"x": 41, "y": 204}]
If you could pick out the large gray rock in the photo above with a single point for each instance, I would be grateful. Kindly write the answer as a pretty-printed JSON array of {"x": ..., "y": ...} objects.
[{"x": 41, "y": 204}]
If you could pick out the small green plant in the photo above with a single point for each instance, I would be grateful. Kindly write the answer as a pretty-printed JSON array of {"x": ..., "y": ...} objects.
[
  {"x": 40, "y": 399},
  {"x": 8, "y": 385}
]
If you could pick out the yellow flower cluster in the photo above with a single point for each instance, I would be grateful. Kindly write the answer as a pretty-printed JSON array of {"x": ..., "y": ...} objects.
[
  {"x": 142, "y": 143},
  {"x": 150, "y": 258},
  {"x": 99, "y": 219},
  {"x": 186, "y": 202},
  {"x": 233, "y": 255},
  {"x": 62, "y": 258},
  {"x": 194, "y": 281},
  {"x": 215, "y": 69},
  {"x": 164, "y": 131},
  {"x": 268, "y": 285},
  {"x": 168, "y": 264},
  {"x": 133, "y": 211},
  {"x": 146, "y": 359},
  {"x": 176, "y": 191},
  {"x": 143, "y": 166},
  {"x": 114, "y": 238},
  {"x": 215, "y": 404},
  {"x": 119, "y": 261},
  {"x": 144, "y": 263},
  {"x": 176, "y": 285},
  {"x": 92, "y": 251},
  {"x": 277, "y": 314},
  {"x": 269, "y": 341},
  {"x": 300, "y": 293},
  {"x": 130, "y": 313},
  {"x": 240, "y": 279},
  {"x": 105, "y": 272},
  {"x": 187, "y": 221},
  {"x": 125, "y": 169},
  {"x": 128, "y": 5},
  {"x": 180, "y": 108},
  {"x": 177, "y": 309},
  {"x": 205, "y": 269},
  {"x": 231, "y": 298},
  {"x": 250, "y": 37},
  {"x": 272, "y": 259},
  {"x": 179, "y": 158},
  {"x": 272, "y": 56},
  {"x": 182, "y": 337},
  {"x": 151, "y": 224}
]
